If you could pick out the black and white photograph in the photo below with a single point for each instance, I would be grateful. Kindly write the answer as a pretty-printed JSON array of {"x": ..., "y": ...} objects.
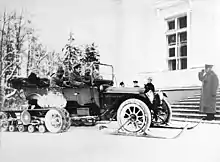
[{"x": 109, "y": 80}]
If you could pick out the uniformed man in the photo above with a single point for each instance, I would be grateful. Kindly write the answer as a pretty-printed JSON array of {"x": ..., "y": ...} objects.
[
  {"x": 75, "y": 78},
  {"x": 122, "y": 84},
  {"x": 57, "y": 78},
  {"x": 155, "y": 100},
  {"x": 210, "y": 85},
  {"x": 87, "y": 78},
  {"x": 95, "y": 73},
  {"x": 149, "y": 86},
  {"x": 136, "y": 83}
]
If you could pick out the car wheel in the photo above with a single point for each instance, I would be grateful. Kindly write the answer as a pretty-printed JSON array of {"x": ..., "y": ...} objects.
[
  {"x": 134, "y": 116},
  {"x": 164, "y": 113}
]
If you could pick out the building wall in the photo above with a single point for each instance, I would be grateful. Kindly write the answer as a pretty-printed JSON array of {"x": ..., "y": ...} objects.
[{"x": 144, "y": 46}]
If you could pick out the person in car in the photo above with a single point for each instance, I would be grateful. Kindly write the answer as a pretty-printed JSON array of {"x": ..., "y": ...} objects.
[
  {"x": 149, "y": 86},
  {"x": 57, "y": 78},
  {"x": 95, "y": 73},
  {"x": 136, "y": 83},
  {"x": 122, "y": 84},
  {"x": 75, "y": 78},
  {"x": 155, "y": 100},
  {"x": 87, "y": 78}
]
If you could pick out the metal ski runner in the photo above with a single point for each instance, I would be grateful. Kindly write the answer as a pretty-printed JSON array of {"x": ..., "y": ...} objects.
[
  {"x": 148, "y": 134},
  {"x": 172, "y": 126}
]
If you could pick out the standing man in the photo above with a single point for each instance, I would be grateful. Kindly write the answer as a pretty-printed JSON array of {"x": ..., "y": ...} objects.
[{"x": 210, "y": 85}]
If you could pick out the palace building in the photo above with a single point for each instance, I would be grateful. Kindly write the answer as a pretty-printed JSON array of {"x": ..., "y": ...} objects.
[{"x": 168, "y": 40}]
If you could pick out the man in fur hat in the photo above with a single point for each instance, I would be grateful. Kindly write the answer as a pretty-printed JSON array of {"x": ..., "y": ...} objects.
[
  {"x": 210, "y": 85},
  {"x": 75, "y": 78}
]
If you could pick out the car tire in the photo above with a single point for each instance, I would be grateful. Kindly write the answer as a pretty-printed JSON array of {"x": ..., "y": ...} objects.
[{"x": 138, "y": 114}]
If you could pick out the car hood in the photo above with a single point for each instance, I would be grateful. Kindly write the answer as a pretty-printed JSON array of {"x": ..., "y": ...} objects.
[{"x": 134, "y": 90}]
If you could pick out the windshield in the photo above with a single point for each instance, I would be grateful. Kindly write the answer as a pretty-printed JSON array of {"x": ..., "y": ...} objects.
[{"x": 103, "y": 71}]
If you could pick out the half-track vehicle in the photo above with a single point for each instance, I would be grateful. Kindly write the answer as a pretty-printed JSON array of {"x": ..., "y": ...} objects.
[{"x": 85, "y": 105}]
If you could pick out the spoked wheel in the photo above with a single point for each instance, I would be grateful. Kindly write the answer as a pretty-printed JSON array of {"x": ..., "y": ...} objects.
[
  {"x": 54, "y": 120},
  {"x": 134, "y": 116},
  {"x": 164, "y": 113},
  {"x": 4, "y": 123}
]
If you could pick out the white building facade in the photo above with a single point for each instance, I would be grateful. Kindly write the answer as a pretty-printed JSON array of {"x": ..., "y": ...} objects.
[{"x": 169, "y": 40}]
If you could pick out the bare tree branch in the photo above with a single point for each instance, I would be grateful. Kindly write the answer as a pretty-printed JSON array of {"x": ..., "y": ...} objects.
[
  {"x": 10, "y": 94},
  {"x": 3, "y": 70}
]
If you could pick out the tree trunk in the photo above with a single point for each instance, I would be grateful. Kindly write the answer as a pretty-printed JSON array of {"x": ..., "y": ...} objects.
[{"x": 1, "y": 62}]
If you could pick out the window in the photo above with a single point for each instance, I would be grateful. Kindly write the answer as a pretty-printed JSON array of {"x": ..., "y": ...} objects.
[{"x": 177, "y": 42}]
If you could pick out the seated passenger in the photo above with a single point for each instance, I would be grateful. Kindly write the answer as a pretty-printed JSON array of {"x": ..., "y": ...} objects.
[
  {"x": 75, "y": 78},
  {"x": 33, "y": 79},
  {"x": 155, "y": 99},
  {"x": 96, "y": 74},
  {"x": 122, "y": 84},
  {"x": 136, "y": 83},
  {"x": 57, "y": 78},
  {"x": 149, "y": 86},
  {"x": 87, "y": 78}
]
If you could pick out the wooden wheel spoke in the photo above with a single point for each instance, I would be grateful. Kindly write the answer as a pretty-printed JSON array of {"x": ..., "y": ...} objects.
[{"x": 138, "y": 112}]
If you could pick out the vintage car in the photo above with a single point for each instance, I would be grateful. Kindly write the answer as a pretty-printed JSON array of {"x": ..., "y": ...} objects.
[{"x": 98, "y": 101}]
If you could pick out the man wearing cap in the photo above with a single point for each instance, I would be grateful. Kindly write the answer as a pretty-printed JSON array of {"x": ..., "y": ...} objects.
[
  {"x": 122, "y": 84},
  {"x": 75, "y": 77},
  {"x": 149, "y": 86},
  {"x": 136, "y": 83},
  {"x": 87, "y": 78},
  {"x": 150, "y": 91},
  {"x": 210, "y": 85},
  {"x": 57, "y": 78}
]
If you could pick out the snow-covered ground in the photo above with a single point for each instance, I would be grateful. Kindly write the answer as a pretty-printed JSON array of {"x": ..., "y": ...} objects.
[{"x": 89, "y": 144}]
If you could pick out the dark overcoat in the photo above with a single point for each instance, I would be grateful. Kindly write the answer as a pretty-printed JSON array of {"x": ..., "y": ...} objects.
[
  {"x": 75, "y": 79},
  {"x": 210, "y": 84}
]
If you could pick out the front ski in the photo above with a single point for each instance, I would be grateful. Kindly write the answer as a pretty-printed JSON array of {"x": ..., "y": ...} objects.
[
  {"x": 149, "y": 134},
  {"x": 173, "y": 126}
]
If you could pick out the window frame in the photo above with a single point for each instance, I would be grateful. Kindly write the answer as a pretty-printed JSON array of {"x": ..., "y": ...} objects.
[{"x": 177, "y": 45}]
